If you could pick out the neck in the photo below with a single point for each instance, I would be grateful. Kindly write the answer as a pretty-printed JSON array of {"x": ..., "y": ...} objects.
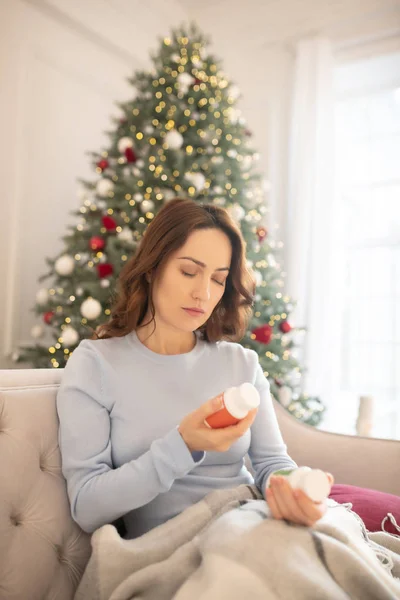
[{"x": 164, "y": 341}]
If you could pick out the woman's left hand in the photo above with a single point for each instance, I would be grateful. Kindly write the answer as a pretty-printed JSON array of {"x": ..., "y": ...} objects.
[{"x": 293, "y": 505}]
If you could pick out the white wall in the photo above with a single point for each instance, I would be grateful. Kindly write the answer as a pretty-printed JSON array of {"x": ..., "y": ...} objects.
[{"x": 64, "y": 64}]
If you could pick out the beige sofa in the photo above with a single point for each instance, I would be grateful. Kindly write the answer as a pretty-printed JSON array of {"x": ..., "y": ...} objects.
[{"x": 43, "y": 552}]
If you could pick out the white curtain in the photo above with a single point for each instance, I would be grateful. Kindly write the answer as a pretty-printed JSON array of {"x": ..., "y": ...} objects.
[{"x": 312, "y": 219}]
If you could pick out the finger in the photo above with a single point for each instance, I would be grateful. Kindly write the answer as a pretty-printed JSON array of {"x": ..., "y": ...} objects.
[
  {"x": 233, "y": 432},
  {"x": 272, "y": 504},
  {"x": 313, "y": 510},
  {"x": 330, "y": 477},
  {"x": 287, "y": 503},
  {"x": 209, "y": 408}
]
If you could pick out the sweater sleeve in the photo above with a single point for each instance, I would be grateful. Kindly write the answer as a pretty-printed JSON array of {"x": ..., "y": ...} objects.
[
  {"x": 98, "y": 493},
  {"x": 267, "y": 450}
]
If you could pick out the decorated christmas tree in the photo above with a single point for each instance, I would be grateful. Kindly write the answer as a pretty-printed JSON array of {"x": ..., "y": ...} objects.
[{"x": 181, "y": 135}]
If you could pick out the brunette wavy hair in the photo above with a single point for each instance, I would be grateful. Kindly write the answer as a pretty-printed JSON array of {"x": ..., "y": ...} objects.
[{"x": 165, "y": 234}]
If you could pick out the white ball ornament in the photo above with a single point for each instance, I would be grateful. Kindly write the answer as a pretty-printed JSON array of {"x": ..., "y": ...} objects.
[
  {"x": 69, "y": 336},
  {"x": 233, "y": 114},
  {"x": 247, "y": 160},
  {"x": 185, "y": 81},
  {"x": 105, "y": 283},
  {"x": 125, "y": 235},
  {"x": 42, "y": 296},
  {"x": 104, "y": 187},
  {"x": 196, "y": 179},
  {"x": 234, "y": 92},
  {"x": 175, "y": 57},
  {"x": 148, "y": 130},
  {"x": 237, "y": 212},
  {"x": 37, "y": 331},
  {"x": 168, "y": 194},
  {"x": 124, "y": 143},
  {"x": 174, "y": 139},
  {"x": 91, "y": 309},
  {"x": 64, "y": 265},
  {"x": 147, "y": 206}
]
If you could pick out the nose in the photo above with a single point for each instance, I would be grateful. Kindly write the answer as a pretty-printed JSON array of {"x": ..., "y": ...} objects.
[{"x": 202, "y": 290}]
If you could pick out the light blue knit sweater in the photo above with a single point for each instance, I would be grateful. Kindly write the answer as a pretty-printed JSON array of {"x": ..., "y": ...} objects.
[{"x": 119, "y": 406}]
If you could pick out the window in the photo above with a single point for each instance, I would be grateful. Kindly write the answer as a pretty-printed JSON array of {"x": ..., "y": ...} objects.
[{"x": 368, "y": 197}]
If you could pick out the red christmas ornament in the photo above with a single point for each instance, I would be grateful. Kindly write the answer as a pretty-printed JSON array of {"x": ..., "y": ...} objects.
[
  {"x": 197, "y": 81},
  {"x": 103, "y": 164},
  {"x": 96, "y": 243},
  {"x": 109, "y": 223},
  {"x": 48, "y": 317},
  {"x": 248, "y": 133},
  {"x": 104, "y": 269},
  {"x": 285, "y": 327},
  {"x": 130, "y": 155},
  {"x": 261, "y": 233},
  {"x": 263, "y": 334}
]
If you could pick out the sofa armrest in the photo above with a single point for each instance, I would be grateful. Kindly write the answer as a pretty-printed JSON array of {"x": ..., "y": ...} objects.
[{"x": 363, "y": 461}]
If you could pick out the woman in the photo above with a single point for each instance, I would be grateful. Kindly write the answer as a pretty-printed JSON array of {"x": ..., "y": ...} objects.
[{"x": 132, "y": 402}]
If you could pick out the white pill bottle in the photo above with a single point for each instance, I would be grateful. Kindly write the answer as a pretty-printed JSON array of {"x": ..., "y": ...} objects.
[{"x": 313, "y": 482}]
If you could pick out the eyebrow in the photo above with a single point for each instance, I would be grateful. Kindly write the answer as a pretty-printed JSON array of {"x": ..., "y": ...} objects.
[{"x": 201, "y": 264}]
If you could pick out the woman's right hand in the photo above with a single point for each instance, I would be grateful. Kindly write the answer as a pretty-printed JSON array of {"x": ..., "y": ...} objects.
[{"x": 199, "y": 437}]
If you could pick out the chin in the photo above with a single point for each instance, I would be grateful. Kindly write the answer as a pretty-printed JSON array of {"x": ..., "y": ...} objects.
[{"x": 190, "y": 328}]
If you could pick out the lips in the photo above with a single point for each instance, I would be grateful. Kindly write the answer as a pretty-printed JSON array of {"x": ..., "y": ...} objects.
[{"x": 196, "y": 312}]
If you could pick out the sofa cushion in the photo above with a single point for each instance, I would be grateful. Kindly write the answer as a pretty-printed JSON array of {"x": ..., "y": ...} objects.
[
  {"x": 43, "y": 552},
  {"x": 372, "y": 506}
]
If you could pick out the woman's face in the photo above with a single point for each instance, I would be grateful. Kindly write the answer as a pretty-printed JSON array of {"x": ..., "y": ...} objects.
[{"x": 194, "y": 277}]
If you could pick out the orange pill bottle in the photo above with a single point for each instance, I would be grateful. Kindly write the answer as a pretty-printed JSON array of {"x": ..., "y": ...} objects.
[{"x": 238, "y": 401}]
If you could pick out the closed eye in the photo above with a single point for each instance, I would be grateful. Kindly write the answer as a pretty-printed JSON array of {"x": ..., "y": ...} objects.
[{"x": 222, "y": 283}]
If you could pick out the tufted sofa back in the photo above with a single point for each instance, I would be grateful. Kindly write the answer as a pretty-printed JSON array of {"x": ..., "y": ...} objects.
[{"x": 43, "y": 552}]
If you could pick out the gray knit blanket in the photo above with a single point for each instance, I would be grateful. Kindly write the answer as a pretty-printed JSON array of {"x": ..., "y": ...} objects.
[{"x": 228, "y": 546}]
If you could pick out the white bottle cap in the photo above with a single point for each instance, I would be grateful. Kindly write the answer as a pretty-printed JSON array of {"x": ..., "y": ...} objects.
[
  {"x": 296, "y": 475},
  {"x": 239, "y": 400},
  {"x": 316, "y": 485}
]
